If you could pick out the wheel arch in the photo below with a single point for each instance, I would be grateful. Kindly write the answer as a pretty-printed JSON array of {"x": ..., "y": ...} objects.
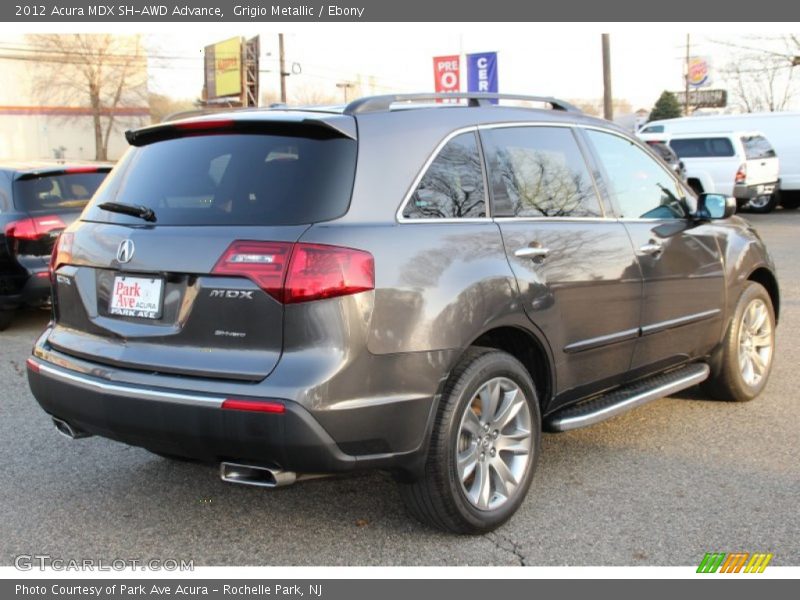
[{"x": 766, "y": 278}]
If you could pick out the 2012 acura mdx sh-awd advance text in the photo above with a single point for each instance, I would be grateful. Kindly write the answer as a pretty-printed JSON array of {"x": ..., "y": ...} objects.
[{"x": 395, "y": 285}]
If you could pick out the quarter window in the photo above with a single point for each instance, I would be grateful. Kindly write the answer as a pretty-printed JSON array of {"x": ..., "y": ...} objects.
[
  {"x": 703, "y": 147},
  {"x": 757, "y": 147},
  {"x": 539, "y": 172},
  {"x": 641, "y": 187},
  {"x": 452, "y": 187}
]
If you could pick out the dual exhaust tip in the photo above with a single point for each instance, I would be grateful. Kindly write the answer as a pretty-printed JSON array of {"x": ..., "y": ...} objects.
[{"x": 243, "y": 474}]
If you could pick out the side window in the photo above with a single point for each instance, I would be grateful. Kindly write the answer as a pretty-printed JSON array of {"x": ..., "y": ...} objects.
[
  {"x": 641, "y": 186},
  {"x": 539, "y": 172},
  {"x": 703, "y": 147},
  {"x": 452, "y": 187},
  {"x": 653, "y": 129}
]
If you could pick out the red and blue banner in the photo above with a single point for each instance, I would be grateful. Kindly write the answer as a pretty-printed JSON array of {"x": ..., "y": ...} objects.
[{"x": 482, "y": 72}]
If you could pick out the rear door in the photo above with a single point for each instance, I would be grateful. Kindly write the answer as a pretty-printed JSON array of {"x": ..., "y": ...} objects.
[
  {"x": 762, "y": 162},
  {"x": 578, "y": 278},
  {"x": 197, "y": 290},
  {"x": 680, "y": 260}
]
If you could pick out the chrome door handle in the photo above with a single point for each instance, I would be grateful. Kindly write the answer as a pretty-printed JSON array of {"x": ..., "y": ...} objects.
[
  {"x": 532, "y": 252},
  {"x": 652, "y": 248}
]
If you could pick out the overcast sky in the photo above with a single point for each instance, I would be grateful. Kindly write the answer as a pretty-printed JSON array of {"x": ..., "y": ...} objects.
[{"x": 559, "y": 60}]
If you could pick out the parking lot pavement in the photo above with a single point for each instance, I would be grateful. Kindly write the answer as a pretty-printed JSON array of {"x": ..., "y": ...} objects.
[{"x": 660, "y": 485}]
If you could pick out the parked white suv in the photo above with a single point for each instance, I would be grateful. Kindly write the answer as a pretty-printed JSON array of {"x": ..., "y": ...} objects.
[{"x": 741, "y": 164}]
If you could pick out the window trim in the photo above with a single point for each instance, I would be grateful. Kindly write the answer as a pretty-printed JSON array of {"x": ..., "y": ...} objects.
[{"x": 433, "y": 156}]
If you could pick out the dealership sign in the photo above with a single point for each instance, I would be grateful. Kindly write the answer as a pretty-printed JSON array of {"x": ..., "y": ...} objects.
[
  {"x": 482, "y": 72},
  {"x": 447, "y": 74}
]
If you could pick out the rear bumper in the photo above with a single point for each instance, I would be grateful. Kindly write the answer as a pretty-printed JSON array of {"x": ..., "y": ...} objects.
[
  {"x": 747, "y": 192},
  {"x": 35, "y": 291},
  {"x": 194, "y": 424}
]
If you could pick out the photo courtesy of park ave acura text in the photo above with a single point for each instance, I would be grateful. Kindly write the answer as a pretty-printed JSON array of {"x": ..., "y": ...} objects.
[{"x": 295, "y": 285}]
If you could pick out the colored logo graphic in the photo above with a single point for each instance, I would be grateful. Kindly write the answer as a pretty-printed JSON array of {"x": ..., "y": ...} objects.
[
  {"x": 699, "y": 74},
  {"x": 735, "y": 562}
]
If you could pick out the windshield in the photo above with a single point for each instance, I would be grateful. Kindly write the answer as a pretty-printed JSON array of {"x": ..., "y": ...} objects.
[{"x": 233, "y": 179}]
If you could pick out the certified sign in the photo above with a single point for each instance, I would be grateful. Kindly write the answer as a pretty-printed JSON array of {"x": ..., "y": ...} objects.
[{"x": 138, "y": 297}]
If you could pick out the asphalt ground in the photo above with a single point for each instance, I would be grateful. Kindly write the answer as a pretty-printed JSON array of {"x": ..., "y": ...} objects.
[{"x": 661, "y": 485}]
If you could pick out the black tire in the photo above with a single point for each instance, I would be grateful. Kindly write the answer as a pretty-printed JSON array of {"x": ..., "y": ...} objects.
[
  {"x": 767, "y": 207},
  {"x": 6, "y": 316},
  {"x": 727, "y": 381},
  {"x": 438, "y": 498}
]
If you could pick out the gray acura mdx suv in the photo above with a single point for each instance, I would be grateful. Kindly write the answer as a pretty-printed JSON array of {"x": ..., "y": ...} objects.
[{"x": 397, "y": 285}]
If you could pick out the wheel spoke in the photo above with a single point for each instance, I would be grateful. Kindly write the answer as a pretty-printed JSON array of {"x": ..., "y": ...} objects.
[
  {"x": 759, "y": 365},
  {"x": 490, "y": 399},
  {"x": 480, "y": 492},
  {"x": 512, "y": 403},
  {"x": 471, "y": 423},
  {"x": 466, "y": 464},
  {"x": 762, "y": 340},
  {"x": 518, "y": 442},
  {"x": 759, "y": 318},
  {"x": 507, "y": 483}
]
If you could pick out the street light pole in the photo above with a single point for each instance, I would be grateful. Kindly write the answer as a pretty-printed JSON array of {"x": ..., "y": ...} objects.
[
  {"x": 282, "y": 67},
  {"x": 344, "y": 85},
  {"x": 686, "y": 80}
]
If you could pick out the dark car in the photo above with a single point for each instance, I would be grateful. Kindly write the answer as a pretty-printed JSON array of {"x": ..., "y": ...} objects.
[
  {"x": 667, "y": 154},
  {"x": 38, "y": 199},
  {"x": 395, "y": 285}
]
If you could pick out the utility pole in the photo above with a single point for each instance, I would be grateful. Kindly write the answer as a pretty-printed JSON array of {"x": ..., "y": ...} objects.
[
  {"x": 282, "y": 66},
  {"x": 345, "y": 85},
  {"x": 608, "y": 98},
  {"x": 686, "y": 80}
]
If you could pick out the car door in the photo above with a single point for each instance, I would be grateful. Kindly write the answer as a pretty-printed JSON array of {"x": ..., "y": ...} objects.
[
  {"x": 680, "y": 259},
  {"x": 577, "y": 275}
]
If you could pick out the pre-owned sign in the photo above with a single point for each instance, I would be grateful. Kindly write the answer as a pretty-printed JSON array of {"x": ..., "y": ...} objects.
[{"x": 447, "y": 74}]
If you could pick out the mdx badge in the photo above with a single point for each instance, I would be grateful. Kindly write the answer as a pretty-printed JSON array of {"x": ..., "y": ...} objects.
[
  {"x": 232, "y": 294},
  {"x": 125, "y": 251}
]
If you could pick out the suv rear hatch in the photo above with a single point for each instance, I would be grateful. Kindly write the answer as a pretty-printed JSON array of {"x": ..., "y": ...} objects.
[{"x": 195, "y": 285}]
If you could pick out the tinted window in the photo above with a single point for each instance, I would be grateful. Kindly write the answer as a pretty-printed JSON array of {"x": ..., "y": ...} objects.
[
  {"x": 234, "y": 179},
  {"x": 757, "y": 146},
  {"x": 72, "y": 190},
  {"x": 702, "y": 147},
  {"x": 452, "y": 187},
  {"x": 539, "y": 172},
  {"x": 641, "y": 187}
]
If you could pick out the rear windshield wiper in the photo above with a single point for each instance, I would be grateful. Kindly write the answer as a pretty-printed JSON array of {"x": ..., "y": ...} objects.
[{"x": 130, "y": 209}]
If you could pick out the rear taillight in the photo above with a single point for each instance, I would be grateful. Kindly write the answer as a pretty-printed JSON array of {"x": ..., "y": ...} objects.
[
  {"x": 34, "y": 228},
  {"x": 741, "y": 174},
  {"x": 299, "y": 272},
  {"x": 62, "y": 251}
]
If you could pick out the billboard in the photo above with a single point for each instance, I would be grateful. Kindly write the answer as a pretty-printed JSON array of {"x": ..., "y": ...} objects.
[
  {"x": 482, "y": 73},
  {"x": 447, "y": 74},
  {"x": 224, "y": 69}
]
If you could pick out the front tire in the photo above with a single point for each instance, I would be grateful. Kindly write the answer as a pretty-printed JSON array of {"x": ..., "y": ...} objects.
[
  {"x": 743, "y": 363},
  {"x": 483, "y": 448}
]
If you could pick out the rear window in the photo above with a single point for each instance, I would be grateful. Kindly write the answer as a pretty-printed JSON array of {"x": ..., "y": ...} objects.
[
  {"x": 234, "y": 179},
  {"x": 757, "y": 146},
  {"x": 703, "y": 147},
  {"x": 71, "y": 190}
]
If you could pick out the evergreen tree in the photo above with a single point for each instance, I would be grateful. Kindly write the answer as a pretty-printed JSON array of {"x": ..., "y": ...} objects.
[{"x": 666, "y": 107}]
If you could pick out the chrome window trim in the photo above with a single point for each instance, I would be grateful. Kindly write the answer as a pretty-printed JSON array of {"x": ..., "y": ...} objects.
[{"x": 433, "y": 156}]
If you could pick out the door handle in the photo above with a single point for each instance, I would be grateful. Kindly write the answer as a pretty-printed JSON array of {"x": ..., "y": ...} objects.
[
  {"x": 653, "y": 248},
  {"x": 532, "y": 252}
]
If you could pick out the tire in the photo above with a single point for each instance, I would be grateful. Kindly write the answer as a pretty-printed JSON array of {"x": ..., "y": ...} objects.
[
  {"x": 444, "y": 499},
  {"x": 736, "y": 376},
  {"x": 762, "y": 204},
  {"x": 6, "y": 316}
]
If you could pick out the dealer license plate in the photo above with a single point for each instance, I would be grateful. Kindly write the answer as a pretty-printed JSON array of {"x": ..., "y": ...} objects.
[{"x": 139, "y": 297}]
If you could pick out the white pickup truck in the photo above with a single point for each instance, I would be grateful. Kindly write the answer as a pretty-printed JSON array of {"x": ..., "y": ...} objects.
[{"x": 741, "y": 164}]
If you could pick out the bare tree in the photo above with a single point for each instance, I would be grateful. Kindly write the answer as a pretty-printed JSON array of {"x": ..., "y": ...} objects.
[
  {"x": 107, "y": 72},
  {"x": 760, "y": 75}
]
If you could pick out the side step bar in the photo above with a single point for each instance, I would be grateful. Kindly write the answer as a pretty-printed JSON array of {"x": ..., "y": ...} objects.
[{"x": 624, "y": 399}]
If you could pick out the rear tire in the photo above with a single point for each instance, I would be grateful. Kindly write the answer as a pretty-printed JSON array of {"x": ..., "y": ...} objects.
[
  {"x": 6, "y": 316},
  {"x": 741, "y": 368},
  {"x": 483, "y": 448},
  {"x": 762, "y": 204}
]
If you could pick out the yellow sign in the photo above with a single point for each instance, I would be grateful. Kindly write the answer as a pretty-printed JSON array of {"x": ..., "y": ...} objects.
[{"x": 224, "y": 68}]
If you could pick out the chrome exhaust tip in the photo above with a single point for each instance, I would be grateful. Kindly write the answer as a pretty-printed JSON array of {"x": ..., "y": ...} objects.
[
  {"x": 68, "y": 430},
  {"x": 256, "y": 475}
]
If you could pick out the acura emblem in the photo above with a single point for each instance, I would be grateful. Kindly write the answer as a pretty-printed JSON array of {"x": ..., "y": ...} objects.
[{"x": 125, "y": 251}]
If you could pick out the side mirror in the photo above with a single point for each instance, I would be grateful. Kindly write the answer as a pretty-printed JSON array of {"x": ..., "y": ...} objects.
[{"x": 715, "y": 206}]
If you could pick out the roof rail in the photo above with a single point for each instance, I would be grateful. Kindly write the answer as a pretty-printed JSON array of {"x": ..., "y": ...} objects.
[{"x": 384, "y": 103}]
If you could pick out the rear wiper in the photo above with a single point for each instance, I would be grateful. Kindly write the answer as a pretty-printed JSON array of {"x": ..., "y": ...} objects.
[{"x": 130, "y": 209}]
